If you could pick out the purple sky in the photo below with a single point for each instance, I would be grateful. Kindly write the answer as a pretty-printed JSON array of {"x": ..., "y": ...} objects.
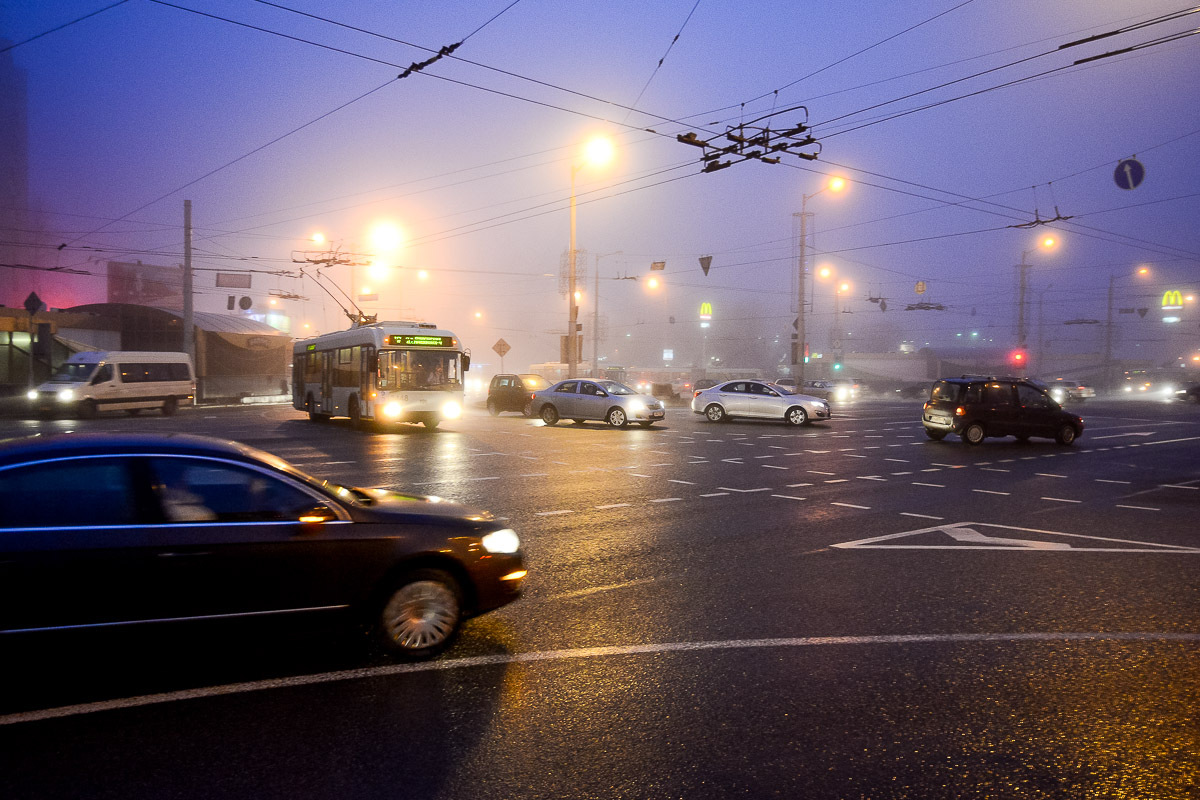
[{"x": 143, "y": 105}]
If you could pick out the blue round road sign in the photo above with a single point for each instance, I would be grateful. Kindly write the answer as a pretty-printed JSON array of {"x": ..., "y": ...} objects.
[{"x": 1129, "y": 173}]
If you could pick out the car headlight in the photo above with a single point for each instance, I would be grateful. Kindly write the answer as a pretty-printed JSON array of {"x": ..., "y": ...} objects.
[
  {"x": 32, "y": 394},
  {"x": 66, "y": 395},
  {"x": 636, "y": 406},
  {"x": 451, "y": 410},
  {"x": 392, "y": 410},
  {"x": 504, "y": 540}
]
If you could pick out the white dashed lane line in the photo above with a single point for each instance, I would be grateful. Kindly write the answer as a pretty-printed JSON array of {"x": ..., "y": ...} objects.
[
  {"x": 989, "y": 491},
  {"x": 1061, "y": 500}
]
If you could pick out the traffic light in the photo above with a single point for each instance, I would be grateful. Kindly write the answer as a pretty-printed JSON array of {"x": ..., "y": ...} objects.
[
  {"x": 837, "y": 366},
  {"x": 1018, "y": 358}
]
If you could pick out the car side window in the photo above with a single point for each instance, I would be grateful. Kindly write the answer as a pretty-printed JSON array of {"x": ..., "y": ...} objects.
[
  {"x": 200, "y": 490},
  {"x": 504, "y": 383},
  {"x": 998, "y": 394},
  {"x": 1030, "y": 397},
  {"x": 762, "y": 388},
  {"x": 973, "y": 394},
  {"x": 568, "y": 388},
  {"x": 734, "y": 387},
  {"x": 68, "y": 493},
  {"x": 103, "y": 375}
]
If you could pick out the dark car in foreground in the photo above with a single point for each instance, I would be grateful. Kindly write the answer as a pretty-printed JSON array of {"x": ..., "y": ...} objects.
[
  {"x": 978, "y": 407},
  {"x": 513, "y": 392},
  {"x": 110, "y": 530}
]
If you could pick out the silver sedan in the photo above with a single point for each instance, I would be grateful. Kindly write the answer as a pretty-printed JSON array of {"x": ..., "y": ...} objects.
[
  {"x": 579, "y": 399},
  {"x": 757, "y": 399}
]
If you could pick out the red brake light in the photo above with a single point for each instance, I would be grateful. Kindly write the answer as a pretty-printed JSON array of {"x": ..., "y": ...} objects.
[
  {"x": 696, "y": 393},
  {"x": 960, "y": 411}
]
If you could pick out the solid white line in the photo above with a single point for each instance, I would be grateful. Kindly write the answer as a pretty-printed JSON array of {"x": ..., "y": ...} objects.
[
  {"x": 918, "y": 516},
  {"x": 1139, "y": 508},
  {"x": 851, "y": 505},
  {"x": 1173, "y": 441}
]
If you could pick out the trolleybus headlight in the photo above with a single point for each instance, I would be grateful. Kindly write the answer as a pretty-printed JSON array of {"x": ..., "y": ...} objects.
[
  {"x": 451, "y": 410},
  {"x": 66, "y": 395},
  {"x": 392, "y": 410}
]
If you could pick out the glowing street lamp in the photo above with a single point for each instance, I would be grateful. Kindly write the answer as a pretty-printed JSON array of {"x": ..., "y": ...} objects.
[
  {"x": 597, "y": 152},
  {"x": 835, "y": 184},
  {"x": 1045, "y": 243}
]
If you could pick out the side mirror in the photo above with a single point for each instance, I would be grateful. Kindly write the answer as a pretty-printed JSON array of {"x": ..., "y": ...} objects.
[
  {"x": 466, "y": 362},
  {"x": 311, "y": 519}
]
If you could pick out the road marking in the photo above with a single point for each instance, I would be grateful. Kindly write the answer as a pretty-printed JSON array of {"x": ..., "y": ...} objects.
[
  {"x": 851, "y": 505},
  {"x": 818, "y": 472},
  {"x": 797, "y": 485},
  {"x": 553, "y": 513},
  {"x": 772, "y": 466},
  {"x": 1139, "y": 508},
  {"x": 1177, "y": 486},
  {"x": 535, "y": 475},
  {"x": 1173, "y": 441},
  {"x": 1048, "y": 475},
  {"x": 744, "y": 491},
  {"x": 870, "y": 478},
  {"x": 989, "y": 491},
  {"x": 388, "y": 670},
  {"x": 686, "y": 483},
  {"x": 640, "y": 475},
  {"x": 994, "y": 469},
  {"x": 666, "y": 499},
  {"x": 1061, "y": 500},
  {"x": 931, "y": 485},
  {"x": 838, "y": 480},
  {"x": 788, "y": 497},
  {"x": 1105, "y": 480},
  {"x": 901, "y": 460},
  {"x": 715, "y": 494},
  {"x": 1119, "y": 435},
  {"x": 902, "y": 473},
  {"x": 919, "y": 516},
  {"x": 967, "y": 537},
  {"x": 613, "y": 505}
]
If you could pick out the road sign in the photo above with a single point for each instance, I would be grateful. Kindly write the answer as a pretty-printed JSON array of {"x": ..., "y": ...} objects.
[
  {"x": 501, "y": 347},
  {"x": 920, "y": 287},
  {"x": 1129, "y": 173},
  {"x": 33, "y": 303}
]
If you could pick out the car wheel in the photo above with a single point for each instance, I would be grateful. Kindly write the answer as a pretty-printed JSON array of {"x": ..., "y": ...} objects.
[
  {"x": 714, "y": 413},
  {"x": 576, "y": 421},
  {"x": 420, "y": 617},
  {"x": 796, "y": 416},
  {"x": 88, "y": 409},
  {"x": 493, "y": 409},
  {"x": 170, "y": 406},
  {"x": 549, "y": 414},
  {"x": 937, "y": 436},
  {"x": 313, "y": 414},
  {"x": 431, "y": 422},
  {"x": 973, "y": 434},
  {"x": 617, "y": 418},
  {"x": 1065, "y": 435}
]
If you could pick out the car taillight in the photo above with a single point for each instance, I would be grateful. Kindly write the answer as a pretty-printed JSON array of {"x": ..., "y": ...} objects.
[
  {"x": 925, "y": 407},
  {"x": 960, "y": 411},
  {"x": 697, "y": 393}
]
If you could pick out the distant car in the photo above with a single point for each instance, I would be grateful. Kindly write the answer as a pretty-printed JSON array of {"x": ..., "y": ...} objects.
[
  {"x": 978, "y": 407},
  {"x": 837, "y": 391},
  {"x": 580, "y": 399},
  {"x": 704, "y": 383},
  {"x": 176, "y": 528},
  {"x": 510, "y": 392},
  {"x": 789, "y": 383},
  {"x": 1189, "y": 394},
  {"x": 1063, "y": 390},
  {"x": 758, "y": 399}
]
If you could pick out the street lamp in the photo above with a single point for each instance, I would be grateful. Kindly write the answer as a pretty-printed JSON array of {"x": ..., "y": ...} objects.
[
  {"x": 840, "y": 287},
  {"x": 1142, "y": 272},
  {"x": 835, "y": 184},
  {"x": 597, "y": 152},
  {"x": 1047, "y": 242}
]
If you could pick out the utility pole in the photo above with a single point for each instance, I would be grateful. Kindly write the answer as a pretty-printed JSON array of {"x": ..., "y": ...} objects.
[
  {"x": 1023, "y": 269},
  {"x": 798, "y": 346},
  {"x": 189, "y": 312},
  {"x": 1108, "y": 338}
]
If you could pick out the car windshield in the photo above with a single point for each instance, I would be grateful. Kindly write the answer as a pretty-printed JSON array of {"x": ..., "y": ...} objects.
[
  {"x": 612, "y": 387},
  {"x": 944, "y": 390},
  {"x": 73, "y": 373}
]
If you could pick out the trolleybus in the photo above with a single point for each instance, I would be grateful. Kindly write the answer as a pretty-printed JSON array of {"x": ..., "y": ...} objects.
[{"x": 381, "y": 371}]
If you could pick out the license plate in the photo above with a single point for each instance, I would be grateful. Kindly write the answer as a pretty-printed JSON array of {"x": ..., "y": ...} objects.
[{"x": 654, "y": 414}]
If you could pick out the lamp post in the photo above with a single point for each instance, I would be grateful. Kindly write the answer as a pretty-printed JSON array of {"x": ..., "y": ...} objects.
[
  {"x": 597, "y": 152},
  {"x": 596, "y": 314},
  {"x": 1046, "y": 243},
  {"x": 1108, "y": 328},
  {"x": 835, "y": 330},
  {"x": 798, "y": 350}
]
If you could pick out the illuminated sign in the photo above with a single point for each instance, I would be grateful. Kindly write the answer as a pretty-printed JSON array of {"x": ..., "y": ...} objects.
[
  {"x": 706, "y": 311},
  {"x": 311, "y": 348},
  {"x": 1172, "y": 300},
  {"x": 418, "y": 340}
]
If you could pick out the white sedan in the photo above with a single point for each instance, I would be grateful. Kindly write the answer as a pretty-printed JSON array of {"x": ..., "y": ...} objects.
[{"x": 757, "y": 399}]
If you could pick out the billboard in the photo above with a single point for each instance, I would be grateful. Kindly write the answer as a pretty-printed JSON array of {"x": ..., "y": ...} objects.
[{"x": 145, "y": 285}]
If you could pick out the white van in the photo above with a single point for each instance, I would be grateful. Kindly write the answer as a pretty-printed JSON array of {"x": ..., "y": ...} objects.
[{"x": 87, "y": 383}]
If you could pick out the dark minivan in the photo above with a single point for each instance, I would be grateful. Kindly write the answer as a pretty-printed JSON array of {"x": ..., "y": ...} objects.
[
  {"x": 978, "y": 407},
  {"x": 513, "y": 392}
]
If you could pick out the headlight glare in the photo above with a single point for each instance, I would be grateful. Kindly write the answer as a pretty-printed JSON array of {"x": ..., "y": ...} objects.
[
  {"x": 392, "y": 410},
  {"x": 32, "y": 394},
  {"x": 451, "y": 410},
  {"x": 504, "y": 540},
  {"x": 66, "y": 395}
]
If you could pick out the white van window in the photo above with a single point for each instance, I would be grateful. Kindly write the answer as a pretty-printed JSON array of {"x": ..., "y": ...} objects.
[
  {"x": 72, "y": 372},
  {"x": 103, "y": 375}
]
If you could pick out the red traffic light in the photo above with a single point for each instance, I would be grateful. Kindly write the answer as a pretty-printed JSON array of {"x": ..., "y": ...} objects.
[{"x": 1017, "y": 357}]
